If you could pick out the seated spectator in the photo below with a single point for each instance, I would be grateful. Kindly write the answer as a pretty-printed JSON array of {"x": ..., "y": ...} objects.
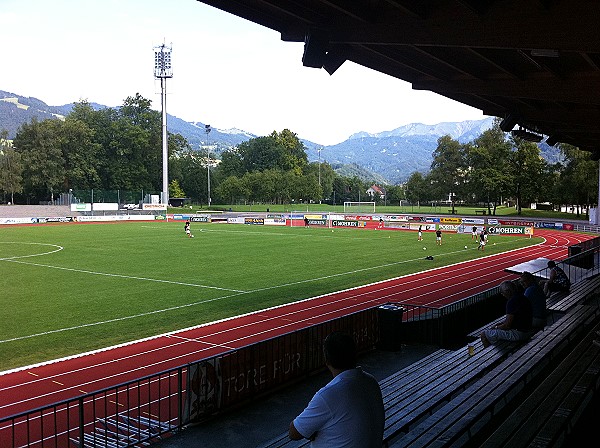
[
  {"x": 557, "y": 281},
  {"x": 517, "y": 323},
  {"x": 348, "y": 411},
  {"x": 536, "y": 297}
]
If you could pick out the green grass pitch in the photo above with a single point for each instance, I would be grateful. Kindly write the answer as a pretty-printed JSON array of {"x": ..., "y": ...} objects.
[{"x": 68, "y": 289}]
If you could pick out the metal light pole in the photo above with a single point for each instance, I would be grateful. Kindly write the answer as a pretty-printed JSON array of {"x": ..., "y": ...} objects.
[
  {"x": 207, "y": 129},
  {"x": 164, "y": 70},
  {"x": 320, "y": 149}
]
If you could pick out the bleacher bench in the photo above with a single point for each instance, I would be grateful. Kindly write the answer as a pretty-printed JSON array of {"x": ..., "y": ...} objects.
[
  {"x": 578, "y": 293},
  {"x": 546, "y": 416},
  {"x": 464, "y": 419}
]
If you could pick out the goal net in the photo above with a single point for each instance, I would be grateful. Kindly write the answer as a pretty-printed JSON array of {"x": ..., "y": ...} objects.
[{"x": 359, "y": 207}]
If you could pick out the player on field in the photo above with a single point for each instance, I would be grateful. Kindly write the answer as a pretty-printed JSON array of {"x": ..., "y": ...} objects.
[{"x": 482, "y": 240}]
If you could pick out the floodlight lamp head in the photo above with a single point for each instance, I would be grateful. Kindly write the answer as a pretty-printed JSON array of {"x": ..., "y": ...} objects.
[{"x": 162, "y": 61}]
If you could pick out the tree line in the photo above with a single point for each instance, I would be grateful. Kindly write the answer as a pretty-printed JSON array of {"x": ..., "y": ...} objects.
[
  {"x": 495, "y": 168},
  {"x": 121, "y": 149}
]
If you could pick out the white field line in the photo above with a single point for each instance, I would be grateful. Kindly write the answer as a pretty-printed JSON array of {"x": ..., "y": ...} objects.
[{"x": 200, "y": 302}]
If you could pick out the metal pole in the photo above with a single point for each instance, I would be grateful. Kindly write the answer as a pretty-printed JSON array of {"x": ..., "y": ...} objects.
[
  {"x": 207, "y": 128},
  {"x": 163, "y": 70},
  {"x": 320, "y": 197},
  {"x": 598, "y": 202},
  {"x": 165, "y": 154}
]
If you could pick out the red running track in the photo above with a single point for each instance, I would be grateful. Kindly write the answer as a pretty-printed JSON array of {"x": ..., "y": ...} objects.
[{"x": 36, "y": 386}]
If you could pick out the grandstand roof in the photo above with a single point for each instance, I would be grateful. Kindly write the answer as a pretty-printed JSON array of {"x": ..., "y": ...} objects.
[{"x": 536, "y": 64}]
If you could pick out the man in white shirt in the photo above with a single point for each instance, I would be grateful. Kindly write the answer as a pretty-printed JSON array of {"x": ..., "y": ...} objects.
[{"x": 347, "y": 412}]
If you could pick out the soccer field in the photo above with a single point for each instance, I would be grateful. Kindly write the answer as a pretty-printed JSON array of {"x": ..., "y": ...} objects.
[{"x": 68, "y": 289}]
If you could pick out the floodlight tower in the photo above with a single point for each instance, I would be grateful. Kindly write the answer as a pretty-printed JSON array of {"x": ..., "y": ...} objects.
[
  {"x": 164, "y": 70},
  {"x": 207, "y": 129}
]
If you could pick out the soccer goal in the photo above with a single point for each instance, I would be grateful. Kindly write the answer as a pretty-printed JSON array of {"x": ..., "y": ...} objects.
[{"x": 359, "y": 207}]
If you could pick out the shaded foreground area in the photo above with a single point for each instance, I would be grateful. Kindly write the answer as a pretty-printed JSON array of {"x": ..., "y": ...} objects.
[{"x": 258, "y": 422}]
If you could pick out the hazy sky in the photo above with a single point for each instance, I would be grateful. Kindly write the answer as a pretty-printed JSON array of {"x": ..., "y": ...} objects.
[{"x": 227, "y": 71}]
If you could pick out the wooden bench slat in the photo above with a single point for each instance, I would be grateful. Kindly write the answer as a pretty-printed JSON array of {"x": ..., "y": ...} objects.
[
  {"x": 536, "y": 412},
  {"x": 579, "y": 292},
  {"x": 472, "y": 409}
]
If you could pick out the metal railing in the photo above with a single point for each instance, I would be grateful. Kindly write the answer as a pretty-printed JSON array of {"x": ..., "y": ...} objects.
[
  {"x": 128, "y": 414},
  {"x": 142, "y": 411}
]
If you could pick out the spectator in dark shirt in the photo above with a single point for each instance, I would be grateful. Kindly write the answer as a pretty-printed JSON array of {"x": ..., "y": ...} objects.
[
  {"x": 557, "y": 281},
  {"x": 518, "y": 320},
  {"x": 536, "y": 297}
]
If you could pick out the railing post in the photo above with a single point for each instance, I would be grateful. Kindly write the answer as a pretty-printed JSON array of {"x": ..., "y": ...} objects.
[
  {"x": 180, "y": 396},
  {"x": 81, "y": 422}
]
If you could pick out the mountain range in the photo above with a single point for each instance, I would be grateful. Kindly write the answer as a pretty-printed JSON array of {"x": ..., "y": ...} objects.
[{"x": 388, "y": 157}]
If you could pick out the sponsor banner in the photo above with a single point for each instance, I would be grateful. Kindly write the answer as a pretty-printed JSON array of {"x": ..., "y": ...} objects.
[
  {"x": 154, "y": 207},
  {"x": 317, "y": 222},
  {"x": 499, "y": 230},
  {"x": 108, "y": 218},
  {"x": 275, "y": 222},
  {"x": 517, "y": 223},
  {"x": 492, "y": 221},
  {"x": 358, "y": 218},
  {"x": 473, "y": 221},
  {"x": 18, "y": 220},
  {"x": 424, "y": 227},
  {"x": 60, "y": 219},
  {"x": 468, "y": 228},
  {"x": 337, "y": 223},
  {"x": 450, "y": 220},
  {"x": 236, "y": 220},
  {"x": 448, "y": 227},
  {"x": 432, "y": 219},
  {"x": 105, "y": 206},
  {"x": 200, "y": 219},
  {"x": 399, "y": 225},
  {"x": 319, "y": 216},
  {"x": 81, "y": 207},
  {"x": 555, "y": 225},
  {"x": 397, "y": 218},
  {"x": 254, "y": 221},
  {"x": 275, "y": 216}
]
